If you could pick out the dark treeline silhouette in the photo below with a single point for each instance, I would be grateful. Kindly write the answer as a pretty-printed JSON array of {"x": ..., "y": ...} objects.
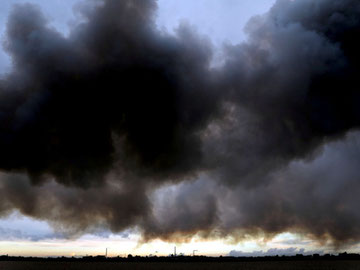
[{"x": 130, "y": 258}]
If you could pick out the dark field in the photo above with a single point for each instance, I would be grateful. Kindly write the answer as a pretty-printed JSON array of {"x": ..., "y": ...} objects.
[{"x": 326, "y": 265}]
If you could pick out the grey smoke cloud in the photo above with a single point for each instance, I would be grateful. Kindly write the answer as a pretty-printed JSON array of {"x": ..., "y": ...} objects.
[
  {"x": 94, "y": 124},
  {"x": 273, "y": 252},
  {"x": 8, "y": 234}
]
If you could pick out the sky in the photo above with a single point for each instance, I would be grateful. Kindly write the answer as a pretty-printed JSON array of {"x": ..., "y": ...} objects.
[
  {"x": 211, "y": 18},
  {"x": 227, "y": 127}
]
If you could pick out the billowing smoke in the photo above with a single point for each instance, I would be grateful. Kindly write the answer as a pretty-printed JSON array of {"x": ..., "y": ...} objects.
[{"x": 97, "y": 127}]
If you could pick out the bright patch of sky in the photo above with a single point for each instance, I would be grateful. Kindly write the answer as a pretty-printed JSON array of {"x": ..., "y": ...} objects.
[
  {"x": 36, "y": 238},
  {"x": 221, "y": 20}
]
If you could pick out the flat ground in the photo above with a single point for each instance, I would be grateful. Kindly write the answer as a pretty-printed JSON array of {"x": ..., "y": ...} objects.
[{"x": 326, "y": 265}]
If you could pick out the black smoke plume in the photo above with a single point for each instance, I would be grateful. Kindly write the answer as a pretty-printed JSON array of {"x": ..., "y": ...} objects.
[
  {"x": 114, "y": 77},
  {"x": 94, "y": 127}
]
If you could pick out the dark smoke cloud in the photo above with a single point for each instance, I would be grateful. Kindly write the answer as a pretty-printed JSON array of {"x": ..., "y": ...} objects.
[
  {"x": 294, "y": 85},
  {"x": 74, "y": 211},
  {"x": 97, "y": 126},
  {"x": 317, "y": 199},
  {"x": 113, "y": 77}
]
